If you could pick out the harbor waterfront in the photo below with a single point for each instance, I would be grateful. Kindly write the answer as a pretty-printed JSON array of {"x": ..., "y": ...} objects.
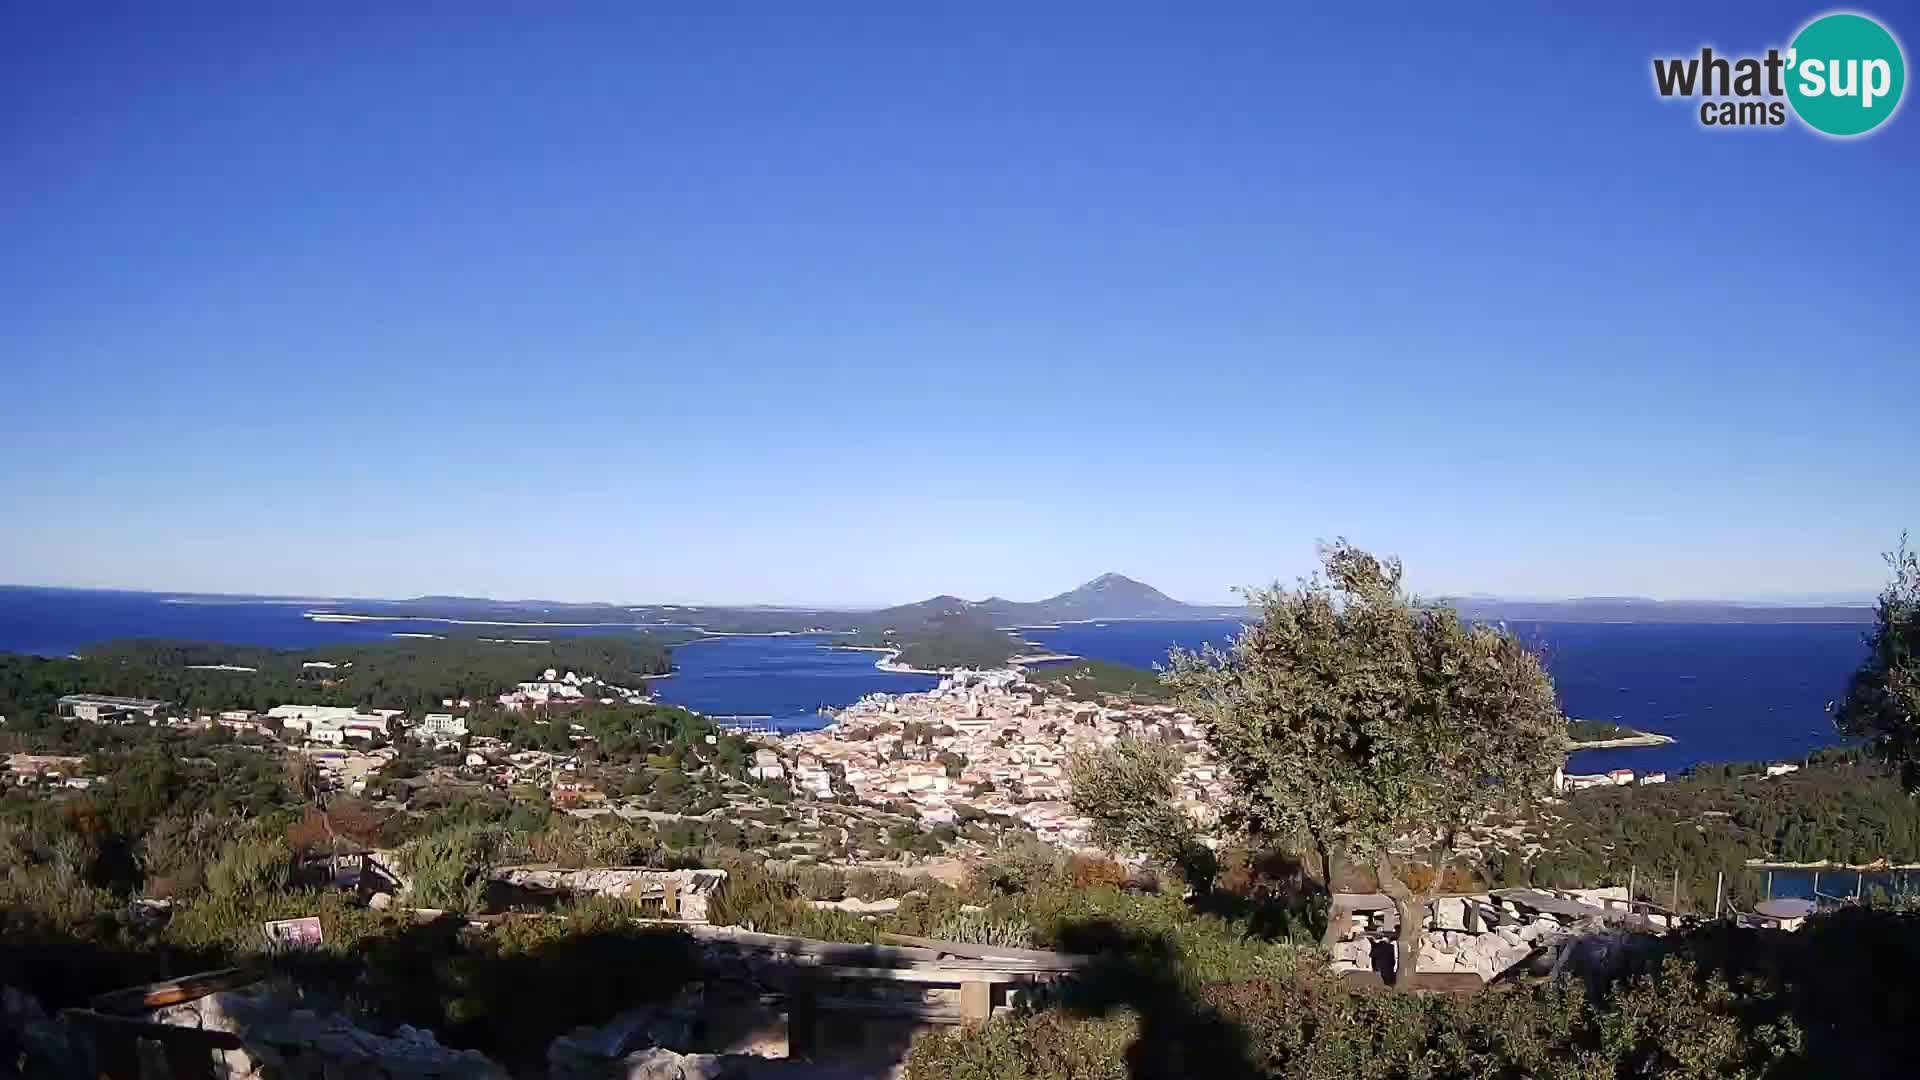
[{"x": 1722, "y": 692}]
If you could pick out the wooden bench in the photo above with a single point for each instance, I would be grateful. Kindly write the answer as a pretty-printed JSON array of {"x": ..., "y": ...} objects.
[{"x": 918, "y": 980}]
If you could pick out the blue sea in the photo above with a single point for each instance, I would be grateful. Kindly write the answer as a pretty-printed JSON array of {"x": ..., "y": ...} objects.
[
  {"x": 781, "y": 681},
  {"x": 1725, "y": 691}
]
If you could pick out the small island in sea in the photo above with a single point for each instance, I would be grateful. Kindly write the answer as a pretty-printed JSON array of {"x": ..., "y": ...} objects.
[{"x": 1606, "y": 735}]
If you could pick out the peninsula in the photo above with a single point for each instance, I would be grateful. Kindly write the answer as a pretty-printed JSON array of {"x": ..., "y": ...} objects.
[{"x": 1605, "y": 735}]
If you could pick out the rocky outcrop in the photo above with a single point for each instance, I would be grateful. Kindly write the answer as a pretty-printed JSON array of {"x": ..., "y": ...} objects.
[
  {"x": 856, "y": 906},
  {"x": 1465, "y": 935},
  {"x": 686, "y": 891},
  {"x": 659, "y": 1063},
  {"x": 638, "y": 1045},
  {"x": 38, "y": 1044},
  {"x": 287, "y": 1042},
  {"x": 1486, "y": 955},
  {"x": 590, "y": 1051}
]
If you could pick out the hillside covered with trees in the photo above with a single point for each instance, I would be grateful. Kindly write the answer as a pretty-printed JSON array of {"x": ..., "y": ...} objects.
[{"x": 414, "y": 674}]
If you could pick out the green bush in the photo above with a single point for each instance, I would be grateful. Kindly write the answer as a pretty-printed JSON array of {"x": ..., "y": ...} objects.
[
  {"x": 257, "y": 862},
  {"x": 449, "y": 869},
  {"x": 575, "y": 842},
  {"x": 979, "y": 928},
  {"x": 44, "y": 885},
  {"x": 1309, "y": 1027},
  {"x": 1045, "y": 1046}
]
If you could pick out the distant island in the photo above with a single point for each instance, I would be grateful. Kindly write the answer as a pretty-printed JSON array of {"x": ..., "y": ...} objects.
[
  {"x": 947, "y": 631},
  {"x": 1606, "y": 735}
]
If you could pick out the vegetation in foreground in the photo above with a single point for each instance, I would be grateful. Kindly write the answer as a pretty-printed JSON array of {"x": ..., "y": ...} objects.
[
  {"x": 1830, "y": 1001},
  {"x": 1207, "y": 970}
]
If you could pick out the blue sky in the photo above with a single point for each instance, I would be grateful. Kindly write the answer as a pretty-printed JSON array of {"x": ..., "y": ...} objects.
[{"x": 856, "y": 306}]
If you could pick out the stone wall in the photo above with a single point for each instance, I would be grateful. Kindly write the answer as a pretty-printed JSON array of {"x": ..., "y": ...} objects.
[
  {"x": 685, "y": 890},
  {"x": 1462, "y": 935}
]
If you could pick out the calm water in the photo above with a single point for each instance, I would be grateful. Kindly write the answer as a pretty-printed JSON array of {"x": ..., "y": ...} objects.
[
  {"x": 1799, "y": 884},
  {"x": 786, "y": 678},
  {"x": 55, "y": 622},
  {"x": 1727, "y": 692}
]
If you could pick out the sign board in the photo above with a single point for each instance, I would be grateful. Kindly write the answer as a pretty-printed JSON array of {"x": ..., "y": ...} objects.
[{"x": 294, "y": 933}]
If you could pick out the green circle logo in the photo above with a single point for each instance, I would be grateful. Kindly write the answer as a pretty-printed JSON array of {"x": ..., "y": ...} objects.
[{"x": 1845, "y": 74}]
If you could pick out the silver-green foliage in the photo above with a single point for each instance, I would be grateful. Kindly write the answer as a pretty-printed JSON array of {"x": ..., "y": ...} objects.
[
  {"x": 1352, "y": 715},
  {"x": 1883, "y": 700},
  {"x": 1127, "y": 790},
  {"x": 979, "y": 928}
]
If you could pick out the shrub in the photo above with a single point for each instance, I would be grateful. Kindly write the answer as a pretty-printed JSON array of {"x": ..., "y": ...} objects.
[
  {"x": 255, "y": 863},
  {"x": 979, "y": 928},
  {"x": 44, "y": 890},
  {"x": 174, "y": 853},
  {"x": 1086, "y": 872},
  {"x": 1027, "y": 865},
  {"x": 1047, "y": 1045},
  {"x": 449, "y": 869},
  {"x": 603, "y": 841}
]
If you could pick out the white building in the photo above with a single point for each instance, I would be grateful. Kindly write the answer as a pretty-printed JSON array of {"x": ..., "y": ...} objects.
[
  {"x": 332, "y": 724},
  {"x": 367, "y": 727},
  {"x": 300, "y": 717},
  {"x": 766, "y": 765},
  {"x": 441, "y": 728}
]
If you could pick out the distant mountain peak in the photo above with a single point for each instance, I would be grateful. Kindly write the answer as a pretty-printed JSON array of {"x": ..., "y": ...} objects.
[
  {"x": 1109, "y": 596},
  {"x": 1112, "y": 596}
]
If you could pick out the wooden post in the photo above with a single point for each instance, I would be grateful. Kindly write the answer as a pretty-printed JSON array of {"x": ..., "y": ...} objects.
[
  {"x": 803, "y": 1016},
  {"x": 1719, "y": 886},
  {"x": 976, "y": 1002},
  {"x": 1630, "y": 875},
  {"x": 1676, "y": 889}
]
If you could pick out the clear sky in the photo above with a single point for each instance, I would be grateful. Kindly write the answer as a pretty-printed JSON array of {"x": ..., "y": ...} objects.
[{"x": 855, "y": 306}]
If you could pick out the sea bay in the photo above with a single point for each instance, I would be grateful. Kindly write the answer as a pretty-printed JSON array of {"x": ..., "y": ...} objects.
[{"x": 1725, "y": 691}]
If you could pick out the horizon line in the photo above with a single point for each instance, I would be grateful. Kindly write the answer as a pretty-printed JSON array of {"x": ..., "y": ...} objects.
[{"x": 1838, "y": 598}]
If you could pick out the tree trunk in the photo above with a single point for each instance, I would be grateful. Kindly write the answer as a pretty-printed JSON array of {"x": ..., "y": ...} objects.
[
  {"x": 1326, "y": 862},
  {"x": 1338, "y": 918},
  {"x": 1412, "y": 908}
]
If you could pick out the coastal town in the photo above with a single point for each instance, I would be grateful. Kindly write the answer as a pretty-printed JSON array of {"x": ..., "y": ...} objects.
[
  {"x": 349, "y": 746},
  {"x": 983, "y": 742},
  {"x": 982, "y": 746},
  {"x": 986, "y": 745}
]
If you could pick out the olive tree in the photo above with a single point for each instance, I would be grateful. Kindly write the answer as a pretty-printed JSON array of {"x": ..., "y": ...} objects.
[
  {"x": 1126, "y": 790},
  {"x": 1882, "y": 704},
  {"x": 1359, "y": 719}
]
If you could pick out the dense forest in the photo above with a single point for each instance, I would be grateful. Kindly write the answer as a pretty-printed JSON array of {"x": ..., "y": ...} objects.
[
  {"x": 414, "y": 674},
  {"x": 959, "y": 646}
]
